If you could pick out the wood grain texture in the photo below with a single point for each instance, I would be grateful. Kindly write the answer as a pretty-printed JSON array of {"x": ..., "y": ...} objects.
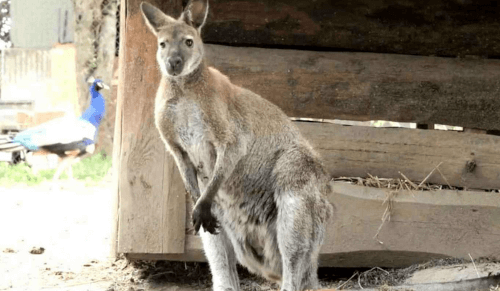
[
  {"x": 441, "y": 27},
  {"x": 174, "y": 208},
  {"x": 117, "y": 136},
  {"x": 151, "y": 203},
  {"x": 365, "y": 86},
  {"x": 355, "y": 151},
  {"x": 424, "y": 226},
  {"x": 193, "y": 252}
]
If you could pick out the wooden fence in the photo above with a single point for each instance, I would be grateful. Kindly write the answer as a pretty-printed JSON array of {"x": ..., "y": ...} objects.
[{"x": 153, "y": 212}]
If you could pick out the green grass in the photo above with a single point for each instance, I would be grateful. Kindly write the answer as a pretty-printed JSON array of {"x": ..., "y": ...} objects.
[{"x": 92, "y": 170}]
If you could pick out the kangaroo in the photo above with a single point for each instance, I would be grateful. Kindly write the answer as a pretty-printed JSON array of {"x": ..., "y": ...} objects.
[{"x": 258, "y": 185}]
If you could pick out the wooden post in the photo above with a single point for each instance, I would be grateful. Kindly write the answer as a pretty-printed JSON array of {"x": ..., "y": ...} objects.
[
  {"x": 152, "y": 203},
  {"x": 117, "y": 137}
]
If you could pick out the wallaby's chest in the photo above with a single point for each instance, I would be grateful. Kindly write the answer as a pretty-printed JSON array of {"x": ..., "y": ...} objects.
[
  {"x": 182, "y": 122},
  {"x": 187, "y": 121}
]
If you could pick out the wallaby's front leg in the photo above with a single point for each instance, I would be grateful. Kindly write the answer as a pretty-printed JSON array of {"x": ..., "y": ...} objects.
[
  {"x": 227, "y": 158},
  {"x": 187, "y": 171}
]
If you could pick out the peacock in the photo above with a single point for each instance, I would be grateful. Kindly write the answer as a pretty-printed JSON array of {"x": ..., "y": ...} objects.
[{"x": 68, "y": 137}]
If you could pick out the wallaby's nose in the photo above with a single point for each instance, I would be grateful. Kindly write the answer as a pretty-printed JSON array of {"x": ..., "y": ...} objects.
[{"x": 175, "y": 64}]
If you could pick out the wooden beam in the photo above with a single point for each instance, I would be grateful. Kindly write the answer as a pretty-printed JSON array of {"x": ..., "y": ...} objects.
[
  {"x": 364, "y": 86},
  {"x": 117, "y": 136},
  {"x": 440, "y": 27},
  {"x": 193, "y": 252},
  {"x": 424, "y": 225},
  {"x": 356, "y": 151},
  {"x": 152, "y": 204}
]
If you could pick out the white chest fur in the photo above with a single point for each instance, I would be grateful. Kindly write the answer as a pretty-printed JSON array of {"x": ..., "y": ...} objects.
[{"x": 181, "y": 122}]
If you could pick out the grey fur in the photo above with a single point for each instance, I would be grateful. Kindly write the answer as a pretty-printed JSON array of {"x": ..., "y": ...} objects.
[{"x": 259, "y": 187}]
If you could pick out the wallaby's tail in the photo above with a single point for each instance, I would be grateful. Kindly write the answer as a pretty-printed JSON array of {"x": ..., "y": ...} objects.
[{"x": 7, "y": 145}]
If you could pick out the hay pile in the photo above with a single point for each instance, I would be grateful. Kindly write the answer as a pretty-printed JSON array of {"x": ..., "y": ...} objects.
[
  {"x": 387, "y": 278},
  {"x": 402, "y": 183}
]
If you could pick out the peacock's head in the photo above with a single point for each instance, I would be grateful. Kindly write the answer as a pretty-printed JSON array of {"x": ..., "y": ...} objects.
[{"x": 97, "y": 84}]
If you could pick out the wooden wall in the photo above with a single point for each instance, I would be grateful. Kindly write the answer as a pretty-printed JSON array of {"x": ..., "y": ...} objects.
[
  {"x": 301, "y": 59},
  {"x": 413, "y": 27}
]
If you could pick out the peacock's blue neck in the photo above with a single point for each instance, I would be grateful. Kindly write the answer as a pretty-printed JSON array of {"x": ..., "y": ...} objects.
[{"x": 95, "y": 111}]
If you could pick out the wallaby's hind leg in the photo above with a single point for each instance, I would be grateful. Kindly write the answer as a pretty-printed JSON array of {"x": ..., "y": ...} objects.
[
  {"x": 310, "y": 278},
  {"x": 222, "y": 260},
  {"x": 300, "y": 236}
]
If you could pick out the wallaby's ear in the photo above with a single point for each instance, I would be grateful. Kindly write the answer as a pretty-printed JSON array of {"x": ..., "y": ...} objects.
[
  {"x": 154, "y": 17},
  {"x": 196, "y": 13}
]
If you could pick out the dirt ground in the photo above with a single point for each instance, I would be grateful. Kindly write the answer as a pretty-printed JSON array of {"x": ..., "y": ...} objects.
[
  {"x": 70, "y": 229},
  {"x": 60, "y": 240}
]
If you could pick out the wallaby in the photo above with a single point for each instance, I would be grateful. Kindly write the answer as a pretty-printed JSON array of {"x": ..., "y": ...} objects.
[{"x": 258, "y": 185}]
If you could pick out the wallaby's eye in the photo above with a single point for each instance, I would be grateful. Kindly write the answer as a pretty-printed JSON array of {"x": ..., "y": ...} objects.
[
  {"x": 163, "y": 44},
  {"x": 189, "y": 42}
]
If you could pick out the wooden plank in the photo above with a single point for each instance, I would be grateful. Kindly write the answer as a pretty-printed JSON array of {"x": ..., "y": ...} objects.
[
  {"x": 193, "y": 252},
  {"x": 150, "y": 210},
  {"x": 117, "y": 135},
  {"x": 355, "y": 151},
  {"x": 424, "y": 225},
  {"x": 365, "y": 86},
  {"x": 443, "y": 28}
]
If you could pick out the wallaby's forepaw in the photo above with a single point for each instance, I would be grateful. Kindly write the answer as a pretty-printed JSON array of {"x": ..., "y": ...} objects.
[{"x": 202, "y": 216}]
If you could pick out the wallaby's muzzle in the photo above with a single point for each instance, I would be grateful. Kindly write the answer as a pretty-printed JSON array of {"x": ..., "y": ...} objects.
[{"x": 175, "y": 65}]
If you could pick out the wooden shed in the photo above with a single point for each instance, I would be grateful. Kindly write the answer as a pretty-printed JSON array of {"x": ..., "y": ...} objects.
[{"x": 425, "y": 62}]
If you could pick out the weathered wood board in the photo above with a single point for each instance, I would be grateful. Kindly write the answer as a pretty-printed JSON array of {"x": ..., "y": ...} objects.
[
  {"x": 441, "y": 27},
  {"x": 356, "y": 151},
  {"x": 117, "y": 135},
  {"x": 366, "y": 86},
  {"x": 151, "y": 194},
  {"x": 424, "y": 225}
]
